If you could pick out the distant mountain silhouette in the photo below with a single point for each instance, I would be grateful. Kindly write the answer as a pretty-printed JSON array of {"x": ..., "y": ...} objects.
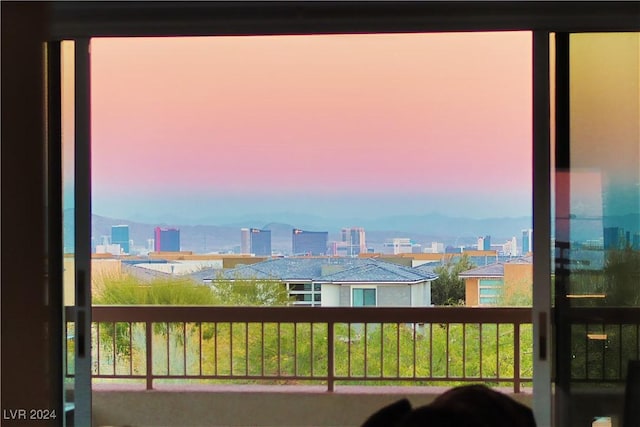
[{"x": 422, "y": 229}]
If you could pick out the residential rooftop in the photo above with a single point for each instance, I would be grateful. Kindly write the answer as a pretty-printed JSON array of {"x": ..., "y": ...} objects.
[{"x": 330, "y": 269}]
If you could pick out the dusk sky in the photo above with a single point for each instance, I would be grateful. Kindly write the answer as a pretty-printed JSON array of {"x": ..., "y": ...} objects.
[{"x": 360, "y": 125}]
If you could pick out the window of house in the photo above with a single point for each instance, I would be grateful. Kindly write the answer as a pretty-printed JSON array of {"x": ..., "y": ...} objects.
[
  {"x": 490, "y": 291},
  {"x": 363, "y": 297}
]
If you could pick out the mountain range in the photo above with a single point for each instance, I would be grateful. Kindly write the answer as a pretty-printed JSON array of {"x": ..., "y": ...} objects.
[{"x": 422, "y": 229}]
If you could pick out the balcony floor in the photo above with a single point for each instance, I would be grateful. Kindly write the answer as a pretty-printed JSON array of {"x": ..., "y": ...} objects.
[{"x": 252, "y": 405}]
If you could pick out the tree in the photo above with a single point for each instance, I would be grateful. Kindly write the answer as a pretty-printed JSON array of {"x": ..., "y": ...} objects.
[
  {"x": 249, "y": 292},
  {"x": 448, "y": 288},
  {"x": 122, "y": 340},
  {"x": 622, "y": 277},
  {"x": 124, "y": 289},
  {"x": 127, "y": 290}
]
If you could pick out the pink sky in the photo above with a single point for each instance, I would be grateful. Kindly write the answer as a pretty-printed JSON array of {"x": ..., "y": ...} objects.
[{"x": 318, "y": 114}]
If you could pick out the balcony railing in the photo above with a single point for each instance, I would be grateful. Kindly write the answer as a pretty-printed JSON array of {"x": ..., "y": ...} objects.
[
  {"x": 318, "y": 345},
  {"x": 603, "y": 340},
  {"x": 346, "y": 345}
]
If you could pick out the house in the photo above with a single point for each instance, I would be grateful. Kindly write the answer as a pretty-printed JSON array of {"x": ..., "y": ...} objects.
[
  {"x": 337, "y": 281},
  {"x": 496, "y": 283}
]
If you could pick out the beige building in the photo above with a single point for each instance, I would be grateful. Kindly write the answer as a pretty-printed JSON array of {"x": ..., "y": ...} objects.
[{"x": 501, "y": 283}]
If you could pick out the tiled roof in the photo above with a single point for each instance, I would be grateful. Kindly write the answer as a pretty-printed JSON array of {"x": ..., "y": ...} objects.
[
  {"x": 522, "y": 260},
  {"x": 338, "y": 269},
  {"x": 495, "y": 269},
  {"x": 491, "y": 270},
  {"x": 380, "y": 271},
  {"x": 428, "y": 267},
  {"x": 142, "y": 273}
]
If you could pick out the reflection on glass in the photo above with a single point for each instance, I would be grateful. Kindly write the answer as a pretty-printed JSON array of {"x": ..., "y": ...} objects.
[
  {"x": 597, "y": 228},
  {"x": 604, "y": 216}
]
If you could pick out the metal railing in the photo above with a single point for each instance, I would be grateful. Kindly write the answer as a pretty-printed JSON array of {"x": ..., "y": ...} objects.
[
  {"x": 319, "y": 345},
  {"x": 348, "y": 346},
  {"x": 603, "y": 340}
]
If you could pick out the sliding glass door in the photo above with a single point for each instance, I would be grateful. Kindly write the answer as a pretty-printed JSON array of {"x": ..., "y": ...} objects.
[{"x": 596, "y": 228}]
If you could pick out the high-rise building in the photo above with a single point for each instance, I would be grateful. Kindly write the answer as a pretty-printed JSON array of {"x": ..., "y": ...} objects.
[
  {"x": 245, "y": 241},
  {"x": 484, "y": 243},
  {"x": 527, "y": 241},
  {"x": 508, "y": 248},
  {"x": 167, "y": 239},
  {"x": 398, "y": 245},
  {"x": 120, "y": 236},
  {"x": 354, "y": 238},
  {"x": 614, "y": 237},
  {"x": 437, "y": 247},
  {"x": 309, "y": 242},
  {"x": 260, "y": 242},
  {"x": 452, "y": 250},
  {"x": 113, "y": 249}
]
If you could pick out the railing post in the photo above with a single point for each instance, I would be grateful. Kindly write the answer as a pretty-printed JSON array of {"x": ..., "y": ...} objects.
[
  {"x": 149, "y": 346},
  {"x": 330, "y": 356},
  {"x": 516, "y": 357}
]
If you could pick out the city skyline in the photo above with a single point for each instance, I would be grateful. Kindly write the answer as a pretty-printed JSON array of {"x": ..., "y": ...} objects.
[
  {"x": 370, "y": 125},
  {"x": 235, "y": 238}
]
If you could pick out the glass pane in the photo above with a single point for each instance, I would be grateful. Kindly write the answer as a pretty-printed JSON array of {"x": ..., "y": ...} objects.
[
  {"x": 252, "y": 150},
  {"x": 605, "y": 169},
  {"x": 68, "y": 278},
  {"x": 369, "y": 297},
  {"x": 598, "y": 225},
  {"x": 358, "y": 298},
  {"x": 236, "y": 149}
]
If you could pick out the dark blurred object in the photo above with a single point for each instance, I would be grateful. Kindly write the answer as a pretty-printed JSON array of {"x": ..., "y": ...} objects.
[
  {"x": 389, "y": 415},
  {"x": 466, "y": 406},
  {"x": 631, "y": 417}
]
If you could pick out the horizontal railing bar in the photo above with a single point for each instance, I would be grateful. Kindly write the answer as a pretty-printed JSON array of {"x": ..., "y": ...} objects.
[
  {"x": 319, "y": 378},
  {"x": 231, "y": 377},
  {"x": 433, "y": 379},
  {"x": 608, "y": 315},
  {"x": 117, "y": 376},
  {"x": 147, "y": 313}
]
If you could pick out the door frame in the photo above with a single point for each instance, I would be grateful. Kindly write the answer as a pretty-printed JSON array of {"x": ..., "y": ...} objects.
[{"x": 81, "y": 21}]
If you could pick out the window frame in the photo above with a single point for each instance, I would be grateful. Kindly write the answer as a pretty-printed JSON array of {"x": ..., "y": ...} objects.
[
  {"x": 353, "y": 288},
  {"x": 83, "y": 20}
]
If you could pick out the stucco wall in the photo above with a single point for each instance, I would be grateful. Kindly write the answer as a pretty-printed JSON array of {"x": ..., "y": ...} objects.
[
  {"x": 330, "y": 295},
  {"x": 471, "y": 291},
  {"x": 518, "y": 278},
  {"x": 345, "y": 296},
  {"x": 421, "y": 295},
  {"x": 394, "y": 296}
]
